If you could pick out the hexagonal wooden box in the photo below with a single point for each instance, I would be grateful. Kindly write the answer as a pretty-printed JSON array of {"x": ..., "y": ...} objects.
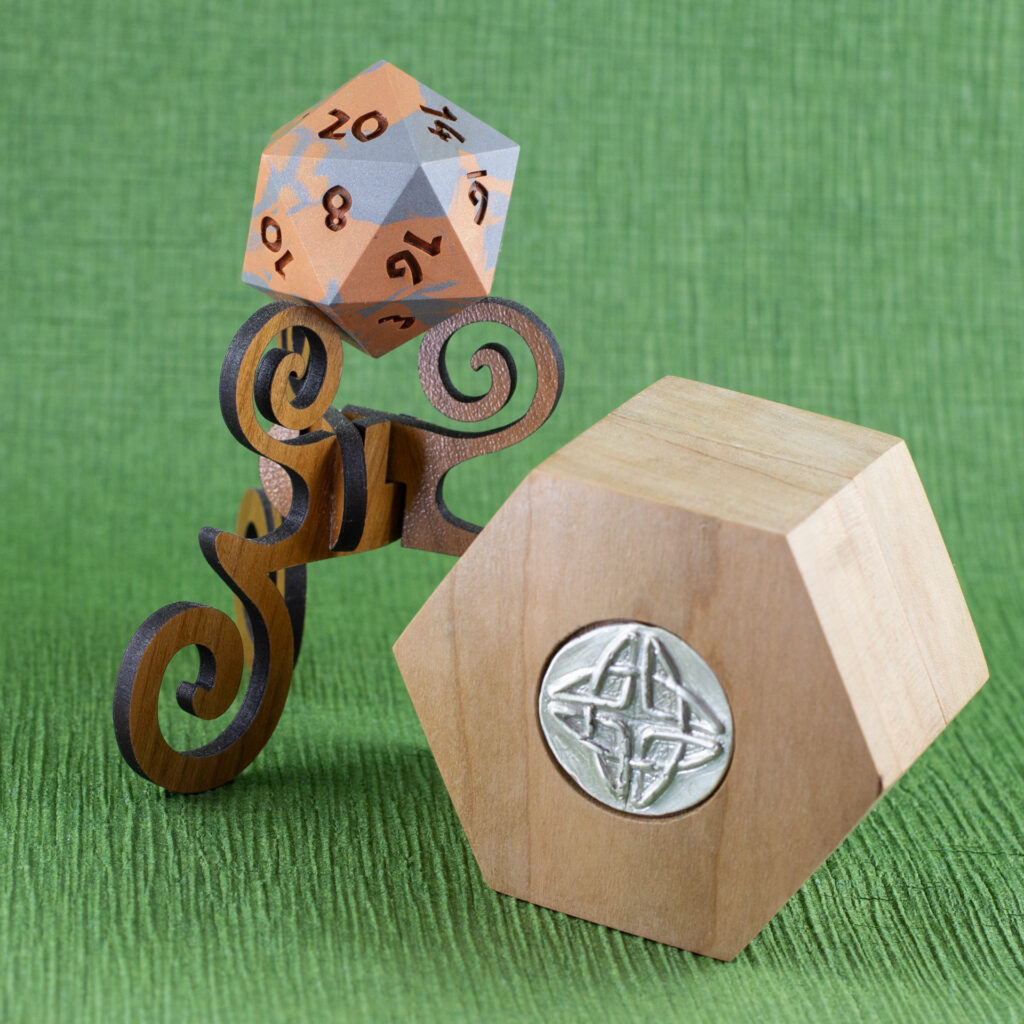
[{"x": 797, "y": 555}]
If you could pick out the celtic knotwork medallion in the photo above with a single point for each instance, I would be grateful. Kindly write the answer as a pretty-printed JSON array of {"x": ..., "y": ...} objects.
[{"x": 636, "y": 718}]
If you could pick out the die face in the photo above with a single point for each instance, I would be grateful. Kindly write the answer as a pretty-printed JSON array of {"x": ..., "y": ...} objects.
[
  {"x": 276, "y": 260},
  {"x": 475, "y": 194},
  {"x": 396, "y": 200},
  {"x": 380, "y": 327}
]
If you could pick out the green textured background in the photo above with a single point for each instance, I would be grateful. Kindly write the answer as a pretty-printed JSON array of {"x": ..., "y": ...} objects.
[{"x": 817, "y": 203}]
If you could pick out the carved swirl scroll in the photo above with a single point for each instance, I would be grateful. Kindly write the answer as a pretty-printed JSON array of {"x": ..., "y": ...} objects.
[
  {"x": 422, "y": 454},
  {"x": 295, "y": 393},
  {"x": 337, "y": 475}
]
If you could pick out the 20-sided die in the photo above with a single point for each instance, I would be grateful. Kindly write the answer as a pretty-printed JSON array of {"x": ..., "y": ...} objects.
[{"x": 384, "y": 206}]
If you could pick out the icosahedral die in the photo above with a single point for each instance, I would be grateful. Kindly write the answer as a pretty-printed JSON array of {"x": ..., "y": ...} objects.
[
  {"x": 684, "y": 658},
  {"x": 383, "y": 206}
]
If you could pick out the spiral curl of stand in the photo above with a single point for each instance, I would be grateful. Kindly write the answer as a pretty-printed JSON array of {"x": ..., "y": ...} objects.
[
  {"x": 424, "y": 453},
  {"x": 245, "y": 565}
]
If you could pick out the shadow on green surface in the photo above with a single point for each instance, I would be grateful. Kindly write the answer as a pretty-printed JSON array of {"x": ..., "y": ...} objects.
[{"x": 397, "y": 850}]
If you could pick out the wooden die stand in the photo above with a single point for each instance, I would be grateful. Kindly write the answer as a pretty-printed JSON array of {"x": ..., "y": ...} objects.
[{"x": 338, "y": 482}]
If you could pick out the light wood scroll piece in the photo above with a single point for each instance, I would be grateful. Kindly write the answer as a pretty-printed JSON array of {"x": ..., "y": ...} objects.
[
  {"x": 250, "y": 379},
  {"x": 335, "y": 483},
  {"x": 797, "y": 555}
]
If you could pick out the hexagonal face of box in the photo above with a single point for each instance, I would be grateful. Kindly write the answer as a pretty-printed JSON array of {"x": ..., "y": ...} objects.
[
  {"x": 383, "y": 205},
  {"x": 733, "y": 526},
  {"x": 800, "y": 776}
]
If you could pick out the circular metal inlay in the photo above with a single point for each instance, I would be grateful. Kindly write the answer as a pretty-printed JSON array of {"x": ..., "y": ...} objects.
[{"x": 636, "y": 718}]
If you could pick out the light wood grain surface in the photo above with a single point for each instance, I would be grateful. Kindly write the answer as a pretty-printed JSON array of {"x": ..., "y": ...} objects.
[{"x": 747, "y": 529}]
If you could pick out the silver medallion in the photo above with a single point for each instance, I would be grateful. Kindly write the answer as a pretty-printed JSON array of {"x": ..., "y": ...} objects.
[{"x": 636, "y": 718}]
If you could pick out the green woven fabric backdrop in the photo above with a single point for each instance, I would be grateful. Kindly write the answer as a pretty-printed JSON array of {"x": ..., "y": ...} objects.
[{"x": 821, "y": 204}]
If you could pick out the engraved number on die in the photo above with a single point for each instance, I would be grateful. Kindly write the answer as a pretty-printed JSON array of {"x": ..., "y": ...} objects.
[
  {"x": 395, "y": 260},
  {"x": 404, "y": 322},
  {"x": 478, "y": 194},
  {"x": 359, "y": 133},
  {"x": 337, "y": 202},
  {"x": 270, "y": 235},
  {"x": 443, "y": 131}
]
